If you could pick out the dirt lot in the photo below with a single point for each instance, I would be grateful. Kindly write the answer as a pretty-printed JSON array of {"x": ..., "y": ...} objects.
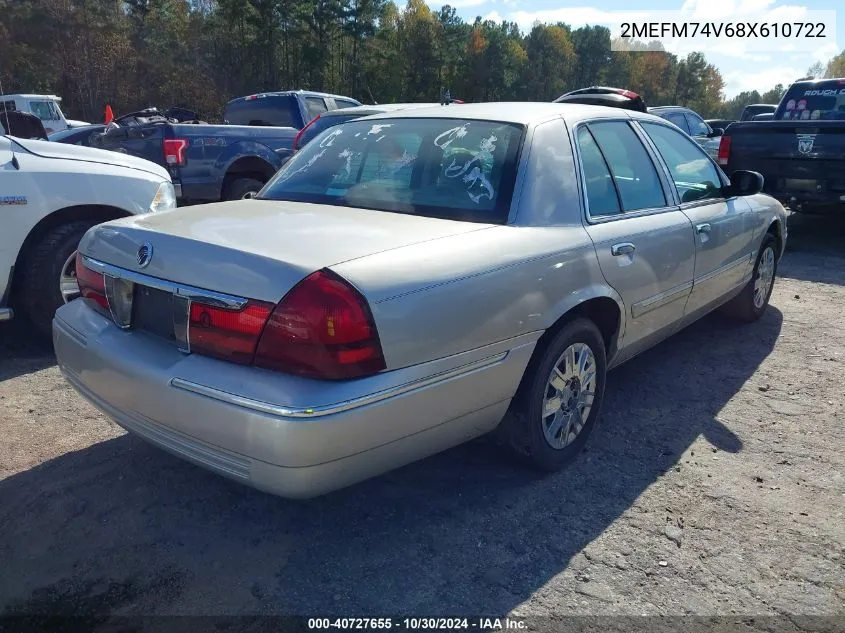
[{"x": 714, "y": 485}]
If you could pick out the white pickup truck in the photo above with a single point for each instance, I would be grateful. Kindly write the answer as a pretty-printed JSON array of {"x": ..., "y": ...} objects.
[
  {"x": 45, "y": 107},
  {"x": 50, "y": 195}
]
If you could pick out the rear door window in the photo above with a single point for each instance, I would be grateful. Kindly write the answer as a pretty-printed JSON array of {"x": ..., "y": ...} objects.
[
  {"x": 343, "y": 103},
  {"x": 602, "y": 198},
  {"x": 697, "y": 125},
  {"x": 315, "y": 106},
  {"x": 678, "y": 119},
  {"x": 634, "y": 174}
]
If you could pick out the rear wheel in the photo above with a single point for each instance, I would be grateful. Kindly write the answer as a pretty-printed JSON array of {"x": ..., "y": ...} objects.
[
  {"x": 559, "y": 400},
  {"x": 48, "y": 278},
  {"x": 750, "y": 304},
  {"x": 239, "y": 187}
]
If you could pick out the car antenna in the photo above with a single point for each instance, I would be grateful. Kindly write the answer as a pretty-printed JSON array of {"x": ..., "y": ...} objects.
[
  {"x": 5, "y": 110},
  {"x": 371, "y": 96},
  {"x": 15, "y": 163}
]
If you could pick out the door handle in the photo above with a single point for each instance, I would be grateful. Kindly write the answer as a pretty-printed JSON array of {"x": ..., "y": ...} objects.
[
  {"x": 702, "y": 228},
  {"x": 622, "y": 249}
]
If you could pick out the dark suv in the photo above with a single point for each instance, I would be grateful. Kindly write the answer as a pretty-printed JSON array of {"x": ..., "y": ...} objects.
[
  {"x": 691, "y": 123},
  {"x": 684, "y": 118}
]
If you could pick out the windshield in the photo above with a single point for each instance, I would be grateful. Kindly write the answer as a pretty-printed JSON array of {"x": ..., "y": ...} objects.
[
  {"x": 445, "y": 168},
  {"x": 824, "y": 101}
]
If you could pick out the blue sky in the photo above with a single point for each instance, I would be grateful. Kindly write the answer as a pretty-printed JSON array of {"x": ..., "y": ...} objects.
[{"x": 759, "y": 68}]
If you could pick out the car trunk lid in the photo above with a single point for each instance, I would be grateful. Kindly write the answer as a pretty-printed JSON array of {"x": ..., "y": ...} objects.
[{"x": 256, "y": 249}]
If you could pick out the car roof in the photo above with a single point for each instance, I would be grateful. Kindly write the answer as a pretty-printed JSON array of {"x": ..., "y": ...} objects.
[
  {"x": 524, "y": 113},
  {"x": 283, "y": 93},
  {"x": 667, "y": 107},
  {"x": 377, "y": 109},
  {"x": 31, "y": 96}
]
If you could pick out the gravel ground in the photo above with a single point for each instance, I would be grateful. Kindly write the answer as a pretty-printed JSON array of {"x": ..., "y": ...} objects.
[{"x": 713, "y": 485}]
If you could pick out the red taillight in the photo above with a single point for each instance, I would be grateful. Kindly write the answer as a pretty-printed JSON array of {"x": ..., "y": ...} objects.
[
  {"x": 302, "y": 131},
  {"x": 322, "y": 329},
  {"x": 174, "y": 151},
  {"x": 92, "y": 286},
  {"x": 227, "y": 334},
  {"x": 724, "y": 150},
  {"x": 629, "y": 94}
]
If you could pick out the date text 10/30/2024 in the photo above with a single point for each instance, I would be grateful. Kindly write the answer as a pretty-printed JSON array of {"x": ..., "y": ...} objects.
[{"x": 417, "y": 624}]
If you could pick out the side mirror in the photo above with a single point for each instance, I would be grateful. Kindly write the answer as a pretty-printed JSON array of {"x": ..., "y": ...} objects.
[
  {"x": 249, "y": 195},
  {"x": 717, "y": 131},
  {"x": 745, "y": 183}
]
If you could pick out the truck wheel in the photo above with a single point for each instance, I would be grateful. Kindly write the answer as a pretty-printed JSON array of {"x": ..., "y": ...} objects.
[
  {"x": 48, "y": 278},
  {"x": 750, "y": 304},
  {"x": 237, "y": 189},
  {"x": 558, "y": 402}
]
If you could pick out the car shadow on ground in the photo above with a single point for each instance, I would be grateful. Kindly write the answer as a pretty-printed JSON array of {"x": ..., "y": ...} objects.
[
  {"x": 22, "y": 351},
  {"x": 817, "y": 234},
  {"x": 123, "y": 527}
]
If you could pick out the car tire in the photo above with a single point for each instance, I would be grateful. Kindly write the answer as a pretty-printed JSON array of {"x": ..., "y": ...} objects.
[
  {"x": 529, "y": 434},
  {"x": 749, "y": 305},
  {"x": 40, "y": 292},
  {"x": 238, "y": 188}
]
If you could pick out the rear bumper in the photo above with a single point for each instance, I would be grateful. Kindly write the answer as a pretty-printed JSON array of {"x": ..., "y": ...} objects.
[
  {"x": 810, "y": 190},
  {"x": 286, "y": 435}
]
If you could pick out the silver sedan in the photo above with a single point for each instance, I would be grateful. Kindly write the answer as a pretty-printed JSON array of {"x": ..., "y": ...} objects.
[{"x": 410, "y": 281}]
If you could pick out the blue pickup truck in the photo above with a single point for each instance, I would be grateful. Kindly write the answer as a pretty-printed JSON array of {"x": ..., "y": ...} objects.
[{"x": 208, "y": 163}]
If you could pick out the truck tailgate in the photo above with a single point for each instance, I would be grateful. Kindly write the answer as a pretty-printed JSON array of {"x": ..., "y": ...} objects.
[{"x": 805, "y": 160}]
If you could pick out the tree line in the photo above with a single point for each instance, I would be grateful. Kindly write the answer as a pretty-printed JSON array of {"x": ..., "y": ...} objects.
[{"x": 201, "y": 53}]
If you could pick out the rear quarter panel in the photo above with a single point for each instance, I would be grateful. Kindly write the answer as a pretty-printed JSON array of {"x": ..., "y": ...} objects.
[
  {"x": 436, "y": 299},
  {"x": 766, "y": 211}
]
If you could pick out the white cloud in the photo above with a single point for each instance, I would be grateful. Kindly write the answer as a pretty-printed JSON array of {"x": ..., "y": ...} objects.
[
  {"x": 577, "y": 16},
  {"x": 462, "y": 4},
  {"x": 760, "y": 79},
  {"x": 493, "y": 16}
]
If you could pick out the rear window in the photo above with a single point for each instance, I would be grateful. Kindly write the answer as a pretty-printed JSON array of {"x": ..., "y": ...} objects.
[
  {"x": 824, "y": 101},
  {"x": 444, "y": 168},
  {"x": 274, "y": 111},
  {"x": 323, "y": 123}
]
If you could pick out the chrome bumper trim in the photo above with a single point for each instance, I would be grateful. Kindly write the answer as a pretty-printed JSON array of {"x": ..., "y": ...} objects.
[
  {"x": 192, "y": 293},
  {"x": 338, "y": 407}
]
